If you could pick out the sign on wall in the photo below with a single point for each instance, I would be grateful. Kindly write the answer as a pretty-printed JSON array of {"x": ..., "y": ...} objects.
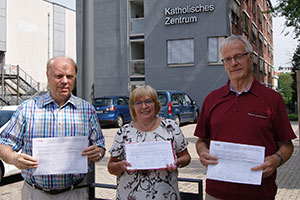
[{"x": 185, "y": 15}]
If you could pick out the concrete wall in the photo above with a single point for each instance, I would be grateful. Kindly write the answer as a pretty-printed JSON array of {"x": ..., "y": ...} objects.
[
  {"x": 111, "y": 47},
  {"x": 200, "y": 78},
  {"x": 30, "y": 36}
]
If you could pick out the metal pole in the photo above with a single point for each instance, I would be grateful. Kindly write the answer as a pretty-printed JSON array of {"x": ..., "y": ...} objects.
[
  {"x": 18, "y": 84},
  {"x": 298, "y": 100},
  {"x": 88, "y": 70}
]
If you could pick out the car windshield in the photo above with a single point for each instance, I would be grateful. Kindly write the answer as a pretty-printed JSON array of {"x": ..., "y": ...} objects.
[
  {"x": 5, "y": 116},
  {"x": 103, "y": 102},
  {"x": 162, "y": 99}
]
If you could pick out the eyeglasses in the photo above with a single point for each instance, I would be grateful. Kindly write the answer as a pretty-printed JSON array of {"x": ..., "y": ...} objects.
[
  {"x": 147, "y": 102},
  {"x": 237, "y": 58}
]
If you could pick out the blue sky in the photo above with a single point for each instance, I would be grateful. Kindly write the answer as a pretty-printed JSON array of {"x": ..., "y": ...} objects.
[{"x": 284, "y": 46}]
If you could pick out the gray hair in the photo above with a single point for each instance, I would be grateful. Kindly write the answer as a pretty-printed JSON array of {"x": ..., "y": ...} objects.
[{"x": 234, "y": 38}]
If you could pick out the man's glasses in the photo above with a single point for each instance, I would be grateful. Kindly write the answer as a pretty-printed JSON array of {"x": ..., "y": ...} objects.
[
  {"x": 147, "y": 102},
  {"x": 237, "y": 58}
]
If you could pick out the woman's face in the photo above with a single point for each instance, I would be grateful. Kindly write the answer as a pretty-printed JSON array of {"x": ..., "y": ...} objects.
[{"x": 144, "y": 108}]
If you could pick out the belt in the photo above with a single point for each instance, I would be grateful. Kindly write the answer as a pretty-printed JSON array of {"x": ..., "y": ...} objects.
[{"x": 58, "y": 191}]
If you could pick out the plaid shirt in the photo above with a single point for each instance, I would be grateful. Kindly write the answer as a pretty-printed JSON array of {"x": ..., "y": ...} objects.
[{"x": 41, "y": 117}]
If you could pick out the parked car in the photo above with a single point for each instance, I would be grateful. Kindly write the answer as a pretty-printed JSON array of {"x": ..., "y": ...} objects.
[
  {"x": 5, "y": 114},
  {"x": 112, "y": 110},
  {"x": 178, "y": 105}
]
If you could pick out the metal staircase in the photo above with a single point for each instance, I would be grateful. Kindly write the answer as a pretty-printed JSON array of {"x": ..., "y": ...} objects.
[{"x": 16, "y": 85}]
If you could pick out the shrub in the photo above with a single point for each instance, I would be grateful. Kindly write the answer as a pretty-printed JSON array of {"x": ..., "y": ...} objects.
[{"x": 293, "y": 117}]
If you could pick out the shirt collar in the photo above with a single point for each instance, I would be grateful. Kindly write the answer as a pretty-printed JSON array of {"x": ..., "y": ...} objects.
[
  {"x": 253, "y": 89},
  {"x": 49, "y": 100}
]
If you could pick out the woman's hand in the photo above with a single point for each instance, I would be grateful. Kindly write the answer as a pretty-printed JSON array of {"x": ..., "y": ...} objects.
[{"x": 117, "y": 167}]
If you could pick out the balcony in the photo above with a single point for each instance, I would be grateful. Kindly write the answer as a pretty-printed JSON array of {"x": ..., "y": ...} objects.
[
  {"x": 137, "y": 27},
  {"x": 137, "y": 68}
]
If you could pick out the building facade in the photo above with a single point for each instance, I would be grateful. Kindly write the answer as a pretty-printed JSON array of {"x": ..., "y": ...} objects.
[
  {"x": 173, "y": 44},
  {"x": 31, "y": 32}
]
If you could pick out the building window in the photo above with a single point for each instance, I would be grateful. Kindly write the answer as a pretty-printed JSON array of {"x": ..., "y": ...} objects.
[
  {"x": 213, "y": 48},
  {"x": 180, "y": 51},
  {"x": 253, "y": 8},
  {"x": 235, "y": 12},
  {"x": 261, "y": 64},
  {"x": 254, "y": 33},
  {"x": 255, "y": 62},
  {"x": 245, "y": 22},
  {"x": 260, "y": 40}
]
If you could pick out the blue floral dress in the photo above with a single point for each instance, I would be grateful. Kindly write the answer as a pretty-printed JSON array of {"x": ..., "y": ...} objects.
[{"x": 148, "y": 184}]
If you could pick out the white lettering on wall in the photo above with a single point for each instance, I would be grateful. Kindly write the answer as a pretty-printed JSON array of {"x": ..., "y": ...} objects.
[{"x": 170, "y": 14}]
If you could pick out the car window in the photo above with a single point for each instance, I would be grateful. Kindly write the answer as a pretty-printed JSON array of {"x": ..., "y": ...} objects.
[
  {"x": 103, "y": 102},
  {"x": 127, "y": 100},
  {"x": 5, "y": 116},
  {"x": 162, "y": 98},
  {"x": 121, "y": 101},
  {"x": 177, "y": 99},
  {"x": 188, "y": 100}
]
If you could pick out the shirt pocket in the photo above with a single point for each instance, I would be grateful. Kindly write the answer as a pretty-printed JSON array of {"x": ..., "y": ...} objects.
[{"x": 258, "y": 114}]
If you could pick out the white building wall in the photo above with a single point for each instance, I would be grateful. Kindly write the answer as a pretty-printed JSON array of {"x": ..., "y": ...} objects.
[
  {"x": 71, "y": 34},
  {"x": 30, "y": 36}
]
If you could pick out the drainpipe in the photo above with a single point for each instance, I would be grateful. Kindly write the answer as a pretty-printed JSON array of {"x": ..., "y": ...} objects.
[{"x": 88, "y": 70}]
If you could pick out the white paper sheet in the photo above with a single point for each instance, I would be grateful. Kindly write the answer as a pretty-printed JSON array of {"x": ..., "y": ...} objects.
[
  {"x": 60, "y": 155},
  {"x": 235, "y": 162},
  {"x": 149, "y": 155}
]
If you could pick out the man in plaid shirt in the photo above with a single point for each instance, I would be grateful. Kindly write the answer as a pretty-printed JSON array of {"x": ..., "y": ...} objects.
[{"x": 57, "y": 113}]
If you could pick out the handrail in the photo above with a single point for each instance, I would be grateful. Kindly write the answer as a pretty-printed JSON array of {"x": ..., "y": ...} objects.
[{"x": 183, "y": 195}]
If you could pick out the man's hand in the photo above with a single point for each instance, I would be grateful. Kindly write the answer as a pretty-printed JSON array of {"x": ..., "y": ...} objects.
[
  {"x": 269, "y": 166},
  {"x": 203, "y": 152},
  {"x": 93, "y": 153},
  {"x": 207, "y": 159},
  {"x": 24, "y": 161}
]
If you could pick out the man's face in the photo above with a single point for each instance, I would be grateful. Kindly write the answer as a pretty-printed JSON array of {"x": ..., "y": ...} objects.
[
  {"x": 61, "y": 79},
  {"x": 238, "y": 63}
]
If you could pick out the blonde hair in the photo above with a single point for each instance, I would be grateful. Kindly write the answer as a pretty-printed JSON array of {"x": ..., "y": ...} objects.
[{"x": 142, "y": 92}]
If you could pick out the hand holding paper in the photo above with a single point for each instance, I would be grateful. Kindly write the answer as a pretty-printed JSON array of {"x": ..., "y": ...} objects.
[
  {"x": 235, "y": 162},
  {"x": 149, "y": 155}
]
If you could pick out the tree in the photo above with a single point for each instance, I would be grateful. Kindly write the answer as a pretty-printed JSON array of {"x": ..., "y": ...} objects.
[
  {"x": 296, "y": 67},
  {"x": 284, "y": 88},
  {"x": 290, "y": 9}
]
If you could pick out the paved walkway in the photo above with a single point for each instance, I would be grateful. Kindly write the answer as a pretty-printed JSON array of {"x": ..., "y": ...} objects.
[{"x": 288, "y": 178}]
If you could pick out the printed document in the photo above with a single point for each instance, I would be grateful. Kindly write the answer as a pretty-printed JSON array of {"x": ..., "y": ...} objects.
[
  {"x": 60, "y": 155},
  {"x": 235, "y": 162},
  {"x": 149, "y": 155}
]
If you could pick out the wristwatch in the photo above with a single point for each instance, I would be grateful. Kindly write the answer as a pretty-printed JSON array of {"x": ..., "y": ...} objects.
[{"x": 100, "y": 155}]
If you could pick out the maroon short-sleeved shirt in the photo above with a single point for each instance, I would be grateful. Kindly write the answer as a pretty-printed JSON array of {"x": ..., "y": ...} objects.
[{"x": 256, "y": 117}]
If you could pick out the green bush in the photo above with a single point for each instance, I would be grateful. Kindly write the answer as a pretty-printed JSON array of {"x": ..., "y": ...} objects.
[{"x": 293, "y": 117}]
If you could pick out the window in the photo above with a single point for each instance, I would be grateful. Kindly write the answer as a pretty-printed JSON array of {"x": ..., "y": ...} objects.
[
  {"x": 214, "y": 54},
  {"x": 245, "y": 22},
  {"x": 180, "y": 51},
  {"x": 235, "y": 12},
  {"x": 253, "y": 8},
  {"x": 254, "y": 32},
  {"x": 255, "y": 62}
]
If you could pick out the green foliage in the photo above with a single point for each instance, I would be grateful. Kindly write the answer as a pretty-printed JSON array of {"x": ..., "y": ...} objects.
[
  {"x": 290, "y": 10},
  {"x": 284, "y": 87},
  {"x": 296, "y": 67},
  {"x": 293, "y": 117}
]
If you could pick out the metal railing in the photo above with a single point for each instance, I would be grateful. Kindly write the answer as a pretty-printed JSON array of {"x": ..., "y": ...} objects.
[{"x": 183, "y": 195}]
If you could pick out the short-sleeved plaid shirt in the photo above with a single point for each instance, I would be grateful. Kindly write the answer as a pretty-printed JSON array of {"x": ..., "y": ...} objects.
[{"x": 41, "y": 117}]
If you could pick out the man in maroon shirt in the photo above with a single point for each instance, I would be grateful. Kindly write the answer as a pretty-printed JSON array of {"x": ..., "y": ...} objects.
[{"x": 245, "y": 112}]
